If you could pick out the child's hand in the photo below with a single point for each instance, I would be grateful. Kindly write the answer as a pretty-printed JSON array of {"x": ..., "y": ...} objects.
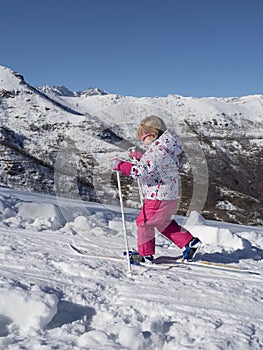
[
  {"x": 115, "y": 163},
  {"x": 122, "y": 166},
  {"x": 135, "y": 154}
]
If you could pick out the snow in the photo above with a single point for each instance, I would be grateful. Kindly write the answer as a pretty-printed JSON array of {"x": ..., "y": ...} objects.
[
  {"x": 38, "y": 306},
  {"x": 53, "y": 298},
  {"x": 8, "y": 81}
]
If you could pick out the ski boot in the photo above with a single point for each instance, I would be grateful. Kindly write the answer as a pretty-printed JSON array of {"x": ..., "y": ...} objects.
[
  {"x": 191, "y": 249},
  {"x": 137, "y": 259}
]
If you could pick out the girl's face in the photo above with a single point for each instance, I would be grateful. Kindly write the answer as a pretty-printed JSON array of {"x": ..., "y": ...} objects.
[{"x": 148, "y": 139}]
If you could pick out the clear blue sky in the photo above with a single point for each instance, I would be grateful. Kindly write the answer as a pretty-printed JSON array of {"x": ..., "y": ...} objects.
[{"x": 137, "y": 47}]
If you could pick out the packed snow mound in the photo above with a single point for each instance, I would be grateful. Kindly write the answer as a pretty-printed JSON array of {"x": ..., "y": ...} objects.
[
  {"x": 132, "y": 338},
  {"x": 43, "y": 210},
  {"x": 44, "y": 215},
  {"x": 26, "y": 310},
  {"x": 219, "y": 238}
]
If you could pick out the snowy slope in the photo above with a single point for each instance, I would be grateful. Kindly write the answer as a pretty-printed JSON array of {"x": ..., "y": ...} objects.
[{"x": 52, "y": 298}]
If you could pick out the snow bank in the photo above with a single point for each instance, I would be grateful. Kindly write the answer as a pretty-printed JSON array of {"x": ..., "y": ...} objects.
[
  {"x": 94, "y": 339},
  {"x": 132, "y": 338},
  {"x": 44, "y": 215},
  {"x": 34, "y": 210},
  {"x": 26, "y": 310},
  {"x": 254, "y": 237},
  {"x": 220, "y": 238}
]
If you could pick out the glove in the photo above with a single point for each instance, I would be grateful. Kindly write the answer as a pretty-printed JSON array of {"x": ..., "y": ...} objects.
[
  {"x": 122, "y": 166},
  {"x": 115, "y": 162},
  {"x": 135, "y": 154}
]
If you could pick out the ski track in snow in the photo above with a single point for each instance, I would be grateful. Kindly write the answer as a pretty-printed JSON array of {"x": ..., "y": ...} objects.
[{"x": 54, "y": 298}]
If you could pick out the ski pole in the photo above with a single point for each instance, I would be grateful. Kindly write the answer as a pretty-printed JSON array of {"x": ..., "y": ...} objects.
[
  {"x": 123, "y": 223},
  {"x": 140, "y": 192},
  {"x": 132, "y": 149}
]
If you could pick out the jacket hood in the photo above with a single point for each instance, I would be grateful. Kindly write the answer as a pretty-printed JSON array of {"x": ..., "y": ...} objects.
[{"x": 168, "y": 141}]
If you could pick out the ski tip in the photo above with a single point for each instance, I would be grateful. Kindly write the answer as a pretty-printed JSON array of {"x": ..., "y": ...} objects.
[{"x": 75, "y": 248}]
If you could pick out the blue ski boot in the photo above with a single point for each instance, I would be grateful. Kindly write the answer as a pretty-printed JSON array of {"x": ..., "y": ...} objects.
[{"x": 191, "y": 249}]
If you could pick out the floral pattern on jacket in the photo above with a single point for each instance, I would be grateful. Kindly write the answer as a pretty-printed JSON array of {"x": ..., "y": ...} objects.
[{"x": 158, "y": 168}]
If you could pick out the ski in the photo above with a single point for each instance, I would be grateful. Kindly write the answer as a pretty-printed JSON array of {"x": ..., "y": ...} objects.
[
  {"x": 207, "y": 264},
  {"x": 225, "y": 267},
  {"x": 123, "y": 258},
  {"x": 87, "y": 254},
  {"x": 169, "y": 261}
]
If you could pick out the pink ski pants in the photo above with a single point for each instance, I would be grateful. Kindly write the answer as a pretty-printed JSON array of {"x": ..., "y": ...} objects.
[{"x": 157, "y": 214}]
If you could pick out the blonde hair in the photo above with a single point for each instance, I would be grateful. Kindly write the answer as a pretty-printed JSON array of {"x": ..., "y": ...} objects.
[{"x": 151, "y": 124}]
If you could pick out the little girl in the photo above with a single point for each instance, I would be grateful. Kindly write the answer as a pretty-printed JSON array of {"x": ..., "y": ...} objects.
[{"x": 157, "y": 171}]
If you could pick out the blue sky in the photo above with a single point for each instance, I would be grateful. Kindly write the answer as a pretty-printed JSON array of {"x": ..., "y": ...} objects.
[{"x": 136, "y": 47}]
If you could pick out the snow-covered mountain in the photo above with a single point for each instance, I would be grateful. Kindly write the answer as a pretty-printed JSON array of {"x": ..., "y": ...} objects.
[
  {"x": 64, "y": 91},
  {"x": 61, "y": 142}
]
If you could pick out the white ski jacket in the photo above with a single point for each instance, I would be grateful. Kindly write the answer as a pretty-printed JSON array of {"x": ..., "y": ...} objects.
[{"x": 158, "y": 168}]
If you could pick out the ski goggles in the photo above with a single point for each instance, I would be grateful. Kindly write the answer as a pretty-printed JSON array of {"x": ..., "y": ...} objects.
[{"x": 143, "y": 137}]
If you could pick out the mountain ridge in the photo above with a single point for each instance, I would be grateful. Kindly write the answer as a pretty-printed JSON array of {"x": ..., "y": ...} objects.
[
  {"x": 64, "y": 91},
  {"x": 38, "y": 127}
]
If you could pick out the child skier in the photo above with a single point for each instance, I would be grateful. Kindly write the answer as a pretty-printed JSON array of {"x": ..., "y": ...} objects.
[{"x": 157, "y": 171}]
